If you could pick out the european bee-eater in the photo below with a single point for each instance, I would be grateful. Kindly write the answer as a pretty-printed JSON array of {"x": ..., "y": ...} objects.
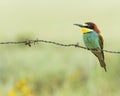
[{"x": 93, "y": 40}]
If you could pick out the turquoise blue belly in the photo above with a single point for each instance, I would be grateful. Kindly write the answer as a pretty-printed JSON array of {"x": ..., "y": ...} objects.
[{"x": 91, "y": 40}]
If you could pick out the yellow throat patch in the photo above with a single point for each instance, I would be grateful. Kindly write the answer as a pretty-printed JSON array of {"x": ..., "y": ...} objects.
[{"x": 86, "y": 30}]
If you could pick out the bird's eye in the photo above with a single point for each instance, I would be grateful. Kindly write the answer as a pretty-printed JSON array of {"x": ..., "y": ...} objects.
[{"x": 91, "y": 27}]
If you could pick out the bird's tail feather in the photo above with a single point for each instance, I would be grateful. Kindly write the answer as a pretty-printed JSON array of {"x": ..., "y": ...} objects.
[
  {"x": 102, "y": 63},
  {"x": 100, "y": 56}
]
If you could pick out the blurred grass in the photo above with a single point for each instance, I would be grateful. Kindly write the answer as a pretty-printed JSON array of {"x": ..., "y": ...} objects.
[{"x": 51, "y": 70}]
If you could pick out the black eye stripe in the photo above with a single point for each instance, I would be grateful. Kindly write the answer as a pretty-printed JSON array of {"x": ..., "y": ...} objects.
[{"x": 90, "y": 27}]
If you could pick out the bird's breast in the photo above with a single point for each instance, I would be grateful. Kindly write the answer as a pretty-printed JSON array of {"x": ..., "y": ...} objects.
[{"x": 91, "y": 40}]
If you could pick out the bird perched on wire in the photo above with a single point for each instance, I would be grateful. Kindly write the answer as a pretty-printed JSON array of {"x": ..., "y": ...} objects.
[{"x": 93, "y": 41}]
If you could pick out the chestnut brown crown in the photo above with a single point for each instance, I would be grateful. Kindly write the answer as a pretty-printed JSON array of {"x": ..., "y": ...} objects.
[{"x": 93, "y": 26}]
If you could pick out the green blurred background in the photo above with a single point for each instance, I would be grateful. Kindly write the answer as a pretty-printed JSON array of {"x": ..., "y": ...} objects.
[{"x": 50, "y": 70}]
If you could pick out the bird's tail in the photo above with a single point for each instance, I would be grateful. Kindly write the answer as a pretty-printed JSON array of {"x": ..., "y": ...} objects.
[
  {"x": 102, "y": 64},
  {"x": 100, "y": 56}
]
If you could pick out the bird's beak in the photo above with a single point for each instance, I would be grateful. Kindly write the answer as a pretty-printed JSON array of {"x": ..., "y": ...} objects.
[{"x": 81, "y": 25}]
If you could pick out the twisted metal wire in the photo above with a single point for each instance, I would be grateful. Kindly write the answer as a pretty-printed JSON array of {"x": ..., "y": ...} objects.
[{"x": 29, "y": 42}]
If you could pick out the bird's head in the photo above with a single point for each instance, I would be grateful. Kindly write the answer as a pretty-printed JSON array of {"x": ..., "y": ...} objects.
[{"x": 88, "y": 27}]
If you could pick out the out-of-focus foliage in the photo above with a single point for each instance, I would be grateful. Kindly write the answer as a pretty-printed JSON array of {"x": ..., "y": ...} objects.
[{"x": 49, "y": 70}]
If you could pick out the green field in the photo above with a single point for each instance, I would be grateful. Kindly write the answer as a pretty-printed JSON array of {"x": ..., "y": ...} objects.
[{"x": 50, "y": 70}]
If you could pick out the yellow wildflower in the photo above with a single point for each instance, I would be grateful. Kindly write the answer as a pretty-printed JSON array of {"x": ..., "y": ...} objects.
[
  {"x": 21, "y": 83},
  {"x": 12, "y": 93}
]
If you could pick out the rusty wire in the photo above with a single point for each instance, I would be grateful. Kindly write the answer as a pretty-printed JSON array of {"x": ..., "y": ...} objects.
[{"x": 37, "y": 41}]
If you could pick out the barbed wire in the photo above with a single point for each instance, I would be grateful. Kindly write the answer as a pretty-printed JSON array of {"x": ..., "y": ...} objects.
[{"x": 30, "y": 42}]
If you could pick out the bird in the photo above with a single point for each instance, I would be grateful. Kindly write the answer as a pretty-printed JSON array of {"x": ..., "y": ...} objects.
[{"x": 93, "y": 40}]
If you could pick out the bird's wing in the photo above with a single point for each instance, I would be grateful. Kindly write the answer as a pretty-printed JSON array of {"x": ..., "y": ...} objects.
[{"x": 101, "y": 42}]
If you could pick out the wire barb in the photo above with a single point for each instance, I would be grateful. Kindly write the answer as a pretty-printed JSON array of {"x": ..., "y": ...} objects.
[
  {"x": 28, "y": 42},
  {"x": 37, "y": 41}
]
